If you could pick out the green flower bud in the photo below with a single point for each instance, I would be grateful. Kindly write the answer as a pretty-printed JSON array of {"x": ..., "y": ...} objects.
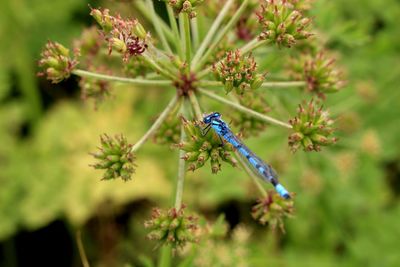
[
  {"x": 312, "y": 129},
  {"x": 238, "y": 72},
  {"x": 116, "y": 158},
  {"x": 272, "y": 210},
  {"x": 199, "y": 149},
  {"x": 56, "y": 63},
  {"x": 281, "y": 23},
  {"x": 319, "y": 72},
  {"x": 172, "y": 227}
]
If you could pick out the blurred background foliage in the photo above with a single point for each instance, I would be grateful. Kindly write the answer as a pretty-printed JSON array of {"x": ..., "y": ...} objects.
[{"x": 347, "y": 203}]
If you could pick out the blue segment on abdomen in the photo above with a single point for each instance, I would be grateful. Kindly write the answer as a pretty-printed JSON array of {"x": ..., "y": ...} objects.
[
  {"x": 282, "y": 191},
  {"x": 253, "y": 161}
]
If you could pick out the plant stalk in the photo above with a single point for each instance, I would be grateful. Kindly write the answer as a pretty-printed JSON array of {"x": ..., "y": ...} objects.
[
  {"x": 156, "y": 124},
  {"x": 89, "y": 74},
  {"x": 211, "y": 32},
  {"x": 244, "y": 109}
]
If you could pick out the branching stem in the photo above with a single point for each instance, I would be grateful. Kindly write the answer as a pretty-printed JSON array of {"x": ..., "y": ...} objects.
[
  {"x": 222, "y": 34},
  {"x": 244, "y": 109},
  {"x": 195, "y": 105},
  {"x": 81, "y": 249},
  {"x": 156, "y": 124},
  {"x": 89, "y": 74},
  {"x": 211, "y": 32}
]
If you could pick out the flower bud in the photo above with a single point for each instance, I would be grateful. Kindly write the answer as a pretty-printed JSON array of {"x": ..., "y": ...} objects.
[
  {"x": 312, "y": 129},
  {"x": 238, "y": 72},
  {"x": 272, "y": 210},
  {"x": 281, "y": 23},
  {"x": 172, "y": 227},
  {"x": 56, "y": 63},
  {"x": 200, "y": 149},
  {"x": 117, "y": 158}
]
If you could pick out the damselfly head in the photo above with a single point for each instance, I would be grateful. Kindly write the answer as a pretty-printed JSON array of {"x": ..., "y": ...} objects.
[{"x": 209, "y": 118}]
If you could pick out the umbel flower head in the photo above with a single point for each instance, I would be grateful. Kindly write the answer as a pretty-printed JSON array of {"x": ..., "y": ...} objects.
[
  {"x": 238, "y": 72},
  {"x": 199, "y": 149},
  {"x": 272, "y": 209},
  {"x": 115, "y": 157},
  {"x": 172, "y": 227},
  {"x": 281, "y": 23},
  {"x": 56, "y": 62},
  {"x": 94, "y": 89},
  {"x": 312, "y": 128},
  {"x": 127, "y": 37},
  {"x": 185, "y": 6},
  {"x": 319, "y": 73}
]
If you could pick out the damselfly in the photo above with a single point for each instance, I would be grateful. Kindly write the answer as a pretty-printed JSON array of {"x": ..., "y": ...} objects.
[{"x": 259, "y": 167}]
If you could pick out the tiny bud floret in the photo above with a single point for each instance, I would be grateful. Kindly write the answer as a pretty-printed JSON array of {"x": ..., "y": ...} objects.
[
  {"x": 56, "y": 62},
  {"x": 184, "y": 6},
  {"x": 312, "y": 129},
  {"x": 172, "y": 227},
  {"x": 272, "y": 209},
  {"x": 238, "y": 72},
  {"x": 127, "y": 37},
  {"x": 319, "y": 73},
  {"x": 95, "y": 89},
  {"x": 115, "y": 157},
  {"x": 281, "y": 23}
]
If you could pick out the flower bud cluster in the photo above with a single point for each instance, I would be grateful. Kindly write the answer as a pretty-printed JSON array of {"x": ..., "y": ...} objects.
[
  {"x": 281, "y": 23},
  {"x": 249, "y": 125},
  {"x": 56, "y": 62},
  {"x": 312, "y": 128},
  {"x": 199, "y": 149},
  {"x": 272, "y": 209},
  {"x": 115, "y": 157},
  {"x": 184, "y": 6},
  {"x": 172, "y": 227},
  {"x": 127, "y": 37},
  {"x": 95, "y": 89},
  {"x": 238, "y": 72},
  {"x": 319, "y": 73}
]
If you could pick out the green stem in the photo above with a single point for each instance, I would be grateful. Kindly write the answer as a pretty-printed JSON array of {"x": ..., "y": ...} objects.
[
  {"x": 175, "y": 30},
  {"x": 181, "y": 166},
  {"x": 273, "y": 84},
  {"x": 283, "y": 84},
  {"x": 195, "y": 105},
  {"x": 84, "y": 73},
  {"x": 211, "y": 32},
  {"x": 188, "y": 39},
  {"x": 251, "y": 174},
  {"x": 157, "y": 26},
  {"x": 248, "y": 111},
  {"x": 157, "y": 67},
  {"x": 253, "y": 44},
  {"x": 182, "y": 29},
  {"x": 205, "y": 83},
  {"x": 222, "y": 33},
  {"x": 156, "y": 124},
  {"x": 195, "y": 32},
  {"x": 81, "y": 249}
]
